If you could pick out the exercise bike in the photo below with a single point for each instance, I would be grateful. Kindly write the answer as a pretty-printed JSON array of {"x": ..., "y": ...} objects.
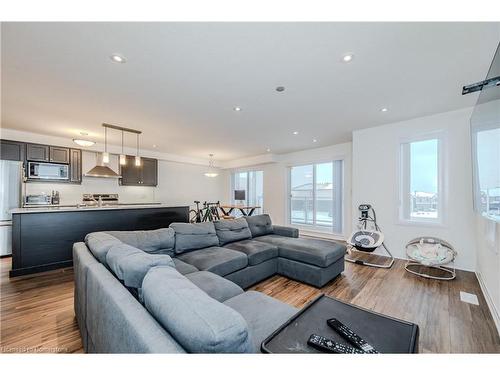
[{"x": 367, "y": 238}]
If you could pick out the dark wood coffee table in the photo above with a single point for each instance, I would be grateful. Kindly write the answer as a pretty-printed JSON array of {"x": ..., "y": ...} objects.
[{"x": 385, "y": 334}]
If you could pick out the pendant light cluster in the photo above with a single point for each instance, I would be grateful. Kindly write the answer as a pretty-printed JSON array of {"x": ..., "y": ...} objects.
[
  {"x": 123, "y": 157},
  {"x": 212, "y": 171}
]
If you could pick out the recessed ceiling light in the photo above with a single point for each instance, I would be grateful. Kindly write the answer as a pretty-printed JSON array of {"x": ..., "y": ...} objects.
[
  {"x": 280, "y": 88},
  {"x": 268, "y": 149},
  {"x": 384, "y": 110},
  {"x": 118, "y": 58},
  {"x": 295, "y": 132},
  {"x": 348, "y": 57},
  {"x": 237, "y": 109},
  {"x": 315, "y": 140}
]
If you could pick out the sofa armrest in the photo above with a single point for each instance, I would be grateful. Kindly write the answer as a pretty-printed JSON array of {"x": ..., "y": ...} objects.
[{"x": 285, "y": 231}]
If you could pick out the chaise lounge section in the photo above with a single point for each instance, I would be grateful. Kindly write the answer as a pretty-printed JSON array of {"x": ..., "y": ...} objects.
[{"x": 135, "y": 291}]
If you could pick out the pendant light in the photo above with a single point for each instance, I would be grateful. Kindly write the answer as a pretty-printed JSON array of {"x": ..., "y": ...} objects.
[
  {"x": 137, "y": 157},
  {"x": 211, "y": 168},
  {"x": 105, "y": 154},
  {"x": 123, "y": 158}
]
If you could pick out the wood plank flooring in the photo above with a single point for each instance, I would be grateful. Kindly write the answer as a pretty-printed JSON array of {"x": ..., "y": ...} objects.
[{"x": 36, "y": 312}]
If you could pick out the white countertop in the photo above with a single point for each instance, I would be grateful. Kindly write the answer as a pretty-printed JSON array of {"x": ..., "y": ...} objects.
[{"x": 61, "y": 208}]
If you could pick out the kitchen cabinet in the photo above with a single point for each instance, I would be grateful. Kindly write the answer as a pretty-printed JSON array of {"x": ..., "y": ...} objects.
[
  {"x": 75, "y": 166},
  {"x": 144, "y": 175},
  {"x": 11, "y": 150},
  {"x": 36, "y": 152},
  {"x": 59, "y": 154}
]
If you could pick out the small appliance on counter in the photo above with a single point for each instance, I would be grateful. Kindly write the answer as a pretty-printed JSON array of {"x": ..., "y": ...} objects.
[{"x": 37, "y": 200}]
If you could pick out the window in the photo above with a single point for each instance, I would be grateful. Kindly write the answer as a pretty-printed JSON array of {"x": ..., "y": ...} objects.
[
  {"x": 315, "y": 199},
  {"x": 247, "y": 189},
  {"x": 421, "y": 183}
]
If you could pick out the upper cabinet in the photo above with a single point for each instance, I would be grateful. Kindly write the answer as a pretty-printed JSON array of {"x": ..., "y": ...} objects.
[
  {"x": 11, "y": 150},
  {"x": 144, "y": 175},
  {"x": 36, "y": 152},
  {"x": 59, "y": 154},
  {"x": 75, "y": 166},
  {"x": 53, "y": 154}
]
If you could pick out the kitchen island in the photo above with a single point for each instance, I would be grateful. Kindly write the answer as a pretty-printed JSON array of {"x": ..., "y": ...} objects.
[{"x": 43, "y": 238}]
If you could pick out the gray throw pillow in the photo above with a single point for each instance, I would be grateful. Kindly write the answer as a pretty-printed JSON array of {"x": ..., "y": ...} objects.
[
  {"x": 232, "y": 230},
  {"x": 157, "y": 241},
  {"x": 260, "y": 225},
  {"x": 130, "y": 264},
  {"x": 198, "y": 322},
  {"x": 196, "y": 236},
  {"x": 99, "y": 244}
]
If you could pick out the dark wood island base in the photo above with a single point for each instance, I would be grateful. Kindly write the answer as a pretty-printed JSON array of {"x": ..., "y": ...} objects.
[{"x": 43, "y": 240}]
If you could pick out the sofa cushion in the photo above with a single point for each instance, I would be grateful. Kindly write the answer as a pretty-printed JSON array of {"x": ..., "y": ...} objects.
[
  {"x": 216, "y": 259},
  {"x": 99, "y": 244},
  {"x": 256, "y": 251},
  {"x": 259, "y": 225},
  {"x": 198, "y": 322},
  {"x": 158, "y": 241},
  {"x": 262, "y": 313},
  {"x": 232, "y": 230},
  {"x": 130, "y": 264},
  {"x": 214, "y": 285},
  {"x": 321, "y": 253},
  {"x": 194, "y": 236},
  {"x": 183, "y": 267}
]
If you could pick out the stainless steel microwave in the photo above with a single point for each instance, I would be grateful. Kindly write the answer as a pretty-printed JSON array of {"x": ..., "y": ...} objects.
[{"x": 47, "y": 171}]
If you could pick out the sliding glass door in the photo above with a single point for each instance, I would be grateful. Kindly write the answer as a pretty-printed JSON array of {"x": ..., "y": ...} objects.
[{"x": 315, "y": 199}]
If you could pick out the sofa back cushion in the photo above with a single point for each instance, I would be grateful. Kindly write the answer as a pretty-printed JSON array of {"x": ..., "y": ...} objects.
[
  {"x": 130, "y": 264},
  {"x": 260, "y": 225},
  {"x": 232, "y": 230},
  {"x": 194, "y": 236},
  {"x": 198, "y": 322},
  {"x": 158, "y": 241},
  {"x": 99, "y": 244}
]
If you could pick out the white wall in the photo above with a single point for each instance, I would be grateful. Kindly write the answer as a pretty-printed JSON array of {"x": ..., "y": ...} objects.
[
  {"x": 276, "y": 177},
  {"x": 376, "y": 180}
]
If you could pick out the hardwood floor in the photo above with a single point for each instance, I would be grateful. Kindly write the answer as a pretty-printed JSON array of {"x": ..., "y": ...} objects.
[{"x": 36, "y": 312}]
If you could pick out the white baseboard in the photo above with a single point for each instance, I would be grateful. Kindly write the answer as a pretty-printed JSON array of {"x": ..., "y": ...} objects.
[{"x": 489, "y": 301}]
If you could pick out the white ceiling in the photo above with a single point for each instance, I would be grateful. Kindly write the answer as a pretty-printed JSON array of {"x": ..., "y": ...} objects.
[{"x": 182, "y": 80}]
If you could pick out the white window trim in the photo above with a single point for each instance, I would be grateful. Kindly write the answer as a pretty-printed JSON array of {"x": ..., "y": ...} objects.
[
  {"x": 443, "y": 164},
  {"x": 325, "y": 233},
  {"x": 231, "y": 183}
]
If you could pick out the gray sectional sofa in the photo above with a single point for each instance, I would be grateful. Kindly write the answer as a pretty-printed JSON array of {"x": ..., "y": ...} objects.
[{"x": 180, "y": 289}]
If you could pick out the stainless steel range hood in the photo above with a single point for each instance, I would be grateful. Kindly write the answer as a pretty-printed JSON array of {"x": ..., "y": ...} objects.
[{"x": 101, "y": 170}]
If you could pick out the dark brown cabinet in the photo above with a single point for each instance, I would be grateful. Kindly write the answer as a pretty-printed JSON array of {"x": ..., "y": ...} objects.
[
  {"x": 75, "y": 165},
  {"x": 36, "y": 152},
  {"x": 59, "y": 154},
  {"x": 144, "y": 175},
  {"x": 11, "y": 150}
]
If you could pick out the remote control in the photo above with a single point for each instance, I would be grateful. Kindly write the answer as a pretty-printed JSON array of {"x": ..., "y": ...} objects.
[
  {"x": 329, "y": 346},
  {"x": 350, "y": 336}
]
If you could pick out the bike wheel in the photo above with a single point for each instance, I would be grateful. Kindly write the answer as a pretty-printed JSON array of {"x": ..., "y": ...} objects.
[{"x": 193, "y": 216}]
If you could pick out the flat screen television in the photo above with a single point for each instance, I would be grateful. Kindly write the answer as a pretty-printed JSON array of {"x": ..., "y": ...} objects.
[
  {"x": 239, "y": 195},
  {"x": 485, "y": 131}
]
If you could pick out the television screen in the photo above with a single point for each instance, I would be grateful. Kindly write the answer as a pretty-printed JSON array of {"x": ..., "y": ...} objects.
[
  {"x": 239, "y": 195},
  {"x": 485, "y": 130}
]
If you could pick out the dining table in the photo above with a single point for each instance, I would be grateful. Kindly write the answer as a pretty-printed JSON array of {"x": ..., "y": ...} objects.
[{"x": 246, "y": 210}]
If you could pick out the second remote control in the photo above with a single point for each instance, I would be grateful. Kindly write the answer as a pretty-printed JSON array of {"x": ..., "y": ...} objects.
[
  {"x": 329, "y": 346},
  {"x": 350, "y": 336}
]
